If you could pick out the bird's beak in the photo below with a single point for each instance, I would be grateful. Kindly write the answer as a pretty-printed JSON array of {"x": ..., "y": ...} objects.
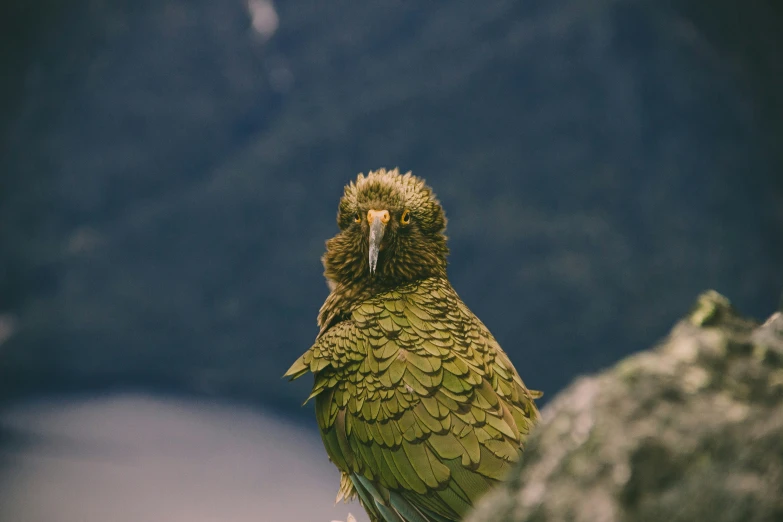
[{"x": 377, "y": 220}]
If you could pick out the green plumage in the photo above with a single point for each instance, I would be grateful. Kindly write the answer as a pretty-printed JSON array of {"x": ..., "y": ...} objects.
[{"x": 416, "y": 403}]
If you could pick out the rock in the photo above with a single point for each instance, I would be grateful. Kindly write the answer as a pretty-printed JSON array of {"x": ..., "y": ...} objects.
[{"x": 690, "y": 430}]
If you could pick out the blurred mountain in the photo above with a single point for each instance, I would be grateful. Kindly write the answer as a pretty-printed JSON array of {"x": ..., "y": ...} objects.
[{"x": 170, "y": 169}]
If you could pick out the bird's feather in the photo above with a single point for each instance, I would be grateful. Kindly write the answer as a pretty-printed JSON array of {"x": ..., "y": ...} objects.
[{"x": 417, "y": 403}]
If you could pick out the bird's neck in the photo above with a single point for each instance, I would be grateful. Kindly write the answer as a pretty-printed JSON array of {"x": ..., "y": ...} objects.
[
  {"x": 344, "y": 297},
  {"x": 347, "y": 270}
]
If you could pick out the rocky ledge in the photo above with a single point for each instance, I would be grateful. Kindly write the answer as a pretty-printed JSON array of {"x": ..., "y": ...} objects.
[{"x": 691, "y": 430}]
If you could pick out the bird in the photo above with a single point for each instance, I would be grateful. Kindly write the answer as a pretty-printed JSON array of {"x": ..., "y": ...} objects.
[{"x": 417, "y": 405}]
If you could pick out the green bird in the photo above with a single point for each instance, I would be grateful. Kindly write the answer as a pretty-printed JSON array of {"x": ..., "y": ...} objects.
[{"x": 417, "y": 404}]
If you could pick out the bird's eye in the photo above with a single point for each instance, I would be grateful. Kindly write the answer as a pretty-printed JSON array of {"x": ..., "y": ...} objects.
[
  {"x": 406, "y": 217},
  {"x": 357, "y": 218}
]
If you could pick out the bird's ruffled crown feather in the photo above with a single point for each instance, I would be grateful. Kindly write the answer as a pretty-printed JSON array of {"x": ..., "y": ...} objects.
[{"x": 397, "y": 190}]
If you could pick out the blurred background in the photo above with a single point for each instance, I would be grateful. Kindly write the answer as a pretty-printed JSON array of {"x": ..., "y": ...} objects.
[{"x": 170, "y": 170}]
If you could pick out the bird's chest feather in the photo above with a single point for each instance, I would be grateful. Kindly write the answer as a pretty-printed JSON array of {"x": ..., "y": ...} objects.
[{"x": 396, "y": 350}]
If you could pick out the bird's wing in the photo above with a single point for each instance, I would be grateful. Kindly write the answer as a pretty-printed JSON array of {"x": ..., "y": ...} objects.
[{"x": 417, "y": 403}]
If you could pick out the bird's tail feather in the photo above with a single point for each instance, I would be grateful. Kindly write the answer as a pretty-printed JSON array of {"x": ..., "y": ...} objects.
[{"x": 390, "y": 506}]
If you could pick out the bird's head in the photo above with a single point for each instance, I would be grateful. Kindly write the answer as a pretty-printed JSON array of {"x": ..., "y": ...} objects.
[{"x": 391, "y": 231}]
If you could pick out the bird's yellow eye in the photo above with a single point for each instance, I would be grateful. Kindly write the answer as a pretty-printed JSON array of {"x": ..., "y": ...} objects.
[
  {"x": 357, "y": 218},
  {"x": 406, "y": 217}
]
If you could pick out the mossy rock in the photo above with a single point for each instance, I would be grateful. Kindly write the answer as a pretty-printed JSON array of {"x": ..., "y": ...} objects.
[{"x": 691, "y": 430}]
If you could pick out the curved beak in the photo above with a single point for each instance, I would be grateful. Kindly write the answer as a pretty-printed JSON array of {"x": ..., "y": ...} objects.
[{"x": 377, "y": 220}]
